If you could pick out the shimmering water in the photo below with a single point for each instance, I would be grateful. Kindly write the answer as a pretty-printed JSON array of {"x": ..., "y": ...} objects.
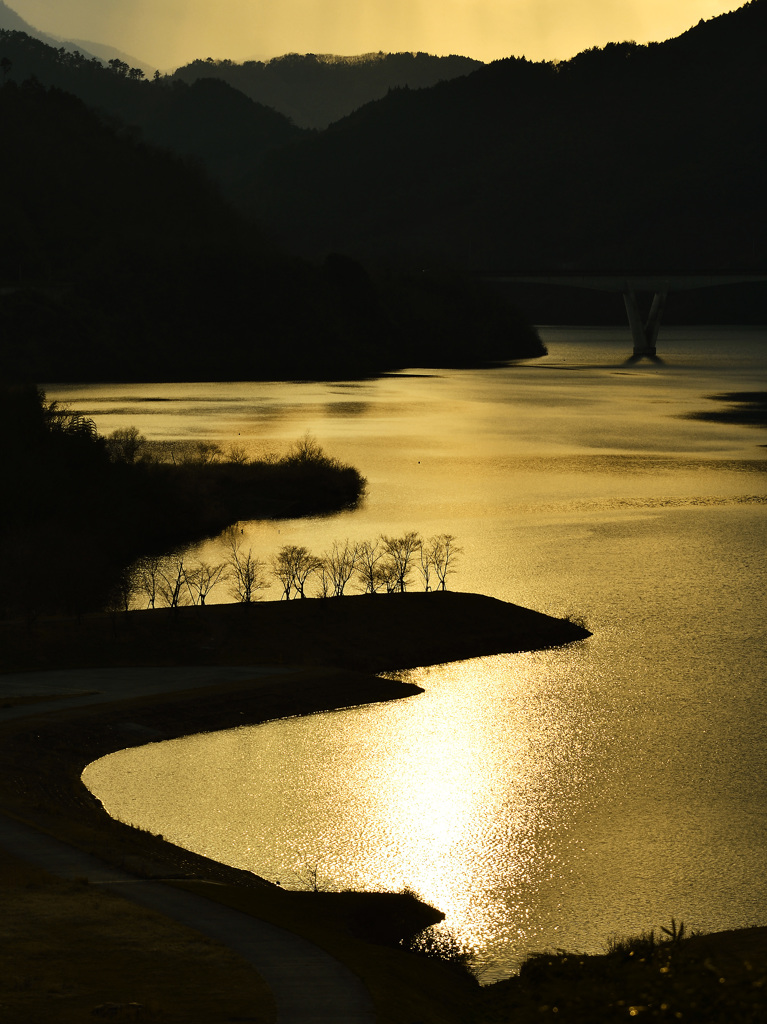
[{"x": 540, "y": 800}]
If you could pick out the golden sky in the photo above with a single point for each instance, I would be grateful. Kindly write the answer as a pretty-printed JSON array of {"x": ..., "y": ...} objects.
[{"x": 167, "y": 33}]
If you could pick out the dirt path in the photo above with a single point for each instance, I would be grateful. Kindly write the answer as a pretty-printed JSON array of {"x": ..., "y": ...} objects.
[{"x": 308, "y": 985}]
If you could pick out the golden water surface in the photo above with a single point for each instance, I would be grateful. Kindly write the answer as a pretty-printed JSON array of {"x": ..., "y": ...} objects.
[{"x": 540, "y": 800}]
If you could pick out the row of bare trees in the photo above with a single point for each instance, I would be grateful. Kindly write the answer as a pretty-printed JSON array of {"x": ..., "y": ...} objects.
[{"x": 385, "y": 565}]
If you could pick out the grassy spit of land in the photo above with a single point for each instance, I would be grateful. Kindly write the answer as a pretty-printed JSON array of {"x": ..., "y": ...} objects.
[{"x": 42, "y": 757}]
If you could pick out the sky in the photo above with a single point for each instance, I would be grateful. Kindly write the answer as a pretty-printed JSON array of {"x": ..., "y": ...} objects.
[{"x": 167, "y": 33}]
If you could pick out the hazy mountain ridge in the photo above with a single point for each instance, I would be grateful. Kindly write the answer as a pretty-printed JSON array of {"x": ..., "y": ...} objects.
[
  {"x": 12, "y": 22},
  {"x": 106, "y": 53},
  {"x": 316, "y": 89},
  {"x": 208, "y": 120}
]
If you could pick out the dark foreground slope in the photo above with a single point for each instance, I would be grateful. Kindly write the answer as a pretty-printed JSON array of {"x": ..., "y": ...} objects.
[{"x": 718, "y": 978}]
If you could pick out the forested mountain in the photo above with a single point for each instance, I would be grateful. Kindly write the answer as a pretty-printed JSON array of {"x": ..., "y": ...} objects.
[
  {"x": 121, "y": 261},
  {"x": 316, "y": 89},
  {"x": 12, "y": 22},
  {"x": 624, "y": 158},
  {"x": 106, "y": 53}
]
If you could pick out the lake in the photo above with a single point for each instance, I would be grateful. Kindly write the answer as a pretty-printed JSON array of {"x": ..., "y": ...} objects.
[{"x": 540, "y": 800}]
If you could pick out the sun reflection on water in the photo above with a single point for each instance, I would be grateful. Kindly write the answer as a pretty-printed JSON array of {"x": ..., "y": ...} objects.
[{"x": 465, "y": 801}]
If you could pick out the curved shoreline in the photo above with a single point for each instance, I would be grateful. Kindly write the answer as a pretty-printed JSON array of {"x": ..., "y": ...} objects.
[
  {"x": 40, "y": 768},
  {"x": 338, "y": 642},
  {"x": 371, "y": 633},
  {"x": 45, "y": 748}
]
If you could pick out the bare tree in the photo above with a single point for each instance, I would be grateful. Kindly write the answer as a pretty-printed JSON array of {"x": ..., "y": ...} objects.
[
  {"x": 121, "y": 593},
  {"x": 208, "y": 452},
  {"x": 147, "y": 578},
  {"x": 201, "y": 453},
  {"x": 324, "y": 582},
  {"x": 444, "y": 552},
  {"x": 306, "y": 449},
  {"x": 340, "y": 563},
  {"x": 306, "y": 565},
  {"x": 126, "y": 445},
  {"x": 399, "y": 555},
  {"x": 309, "y": 877},
  {"x": 173, "y": 585},
  {"x": 369, "y": 555},
  {"x": 247, "y": 573},
  {"x": 204, "y": 577},
  {"x": 283, "y": 569},
  {"x": 237, "y": 455},
  {"x": 426, "y": 565},
  {"x": 293, "y": 565}
]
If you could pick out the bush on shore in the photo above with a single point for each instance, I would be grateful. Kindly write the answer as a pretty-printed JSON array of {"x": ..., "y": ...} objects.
[{"x": 78, "y": 508}]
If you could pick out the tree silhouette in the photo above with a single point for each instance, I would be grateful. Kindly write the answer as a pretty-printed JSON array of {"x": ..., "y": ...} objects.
[
  {"x": 400, "y": 553},
  {"x": 247, "y": 573},
  {"x": 443, "y": 552},
  {"x": 340, "y": 564},
  {"x": 369, "y": 566},
  {"x": 292, "y": 566}
]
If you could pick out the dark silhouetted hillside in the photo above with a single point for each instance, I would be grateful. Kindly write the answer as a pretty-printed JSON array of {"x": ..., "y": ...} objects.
[
  {"x": 624, "y": 158},
  {"x": 121, "y": 261},
  {"x": 315, "y": 90}
]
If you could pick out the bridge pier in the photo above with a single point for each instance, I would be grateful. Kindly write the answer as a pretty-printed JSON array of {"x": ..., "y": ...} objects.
[{"x": 644, "y": 335}]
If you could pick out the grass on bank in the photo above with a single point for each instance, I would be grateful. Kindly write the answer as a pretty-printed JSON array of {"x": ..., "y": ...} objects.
[{"x": 717, "y": 978}]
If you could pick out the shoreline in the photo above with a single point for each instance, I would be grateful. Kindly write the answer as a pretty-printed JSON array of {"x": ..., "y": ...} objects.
[
  {"x": 372, "y": 633},
  {"x": 339, "y": 643},
  {"x": 45, "y": 750},
  {"x": 334, "y": 647}
]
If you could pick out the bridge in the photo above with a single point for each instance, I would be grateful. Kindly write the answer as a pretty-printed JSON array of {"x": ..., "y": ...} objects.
[{"x": 644, "y": 332}]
